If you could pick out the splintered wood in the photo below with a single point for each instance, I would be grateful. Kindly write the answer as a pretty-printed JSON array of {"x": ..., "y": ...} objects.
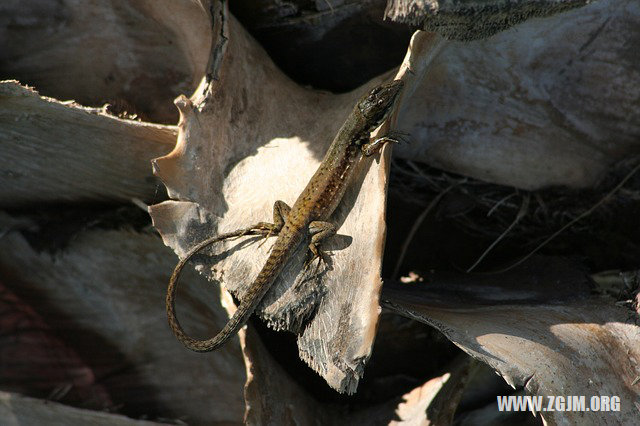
[
  {"x": 539, "y": 327},
  {"x": 41, "y": 160},
  {"x": 553, "y": 101},
  {"x": 247, "y": 139}
]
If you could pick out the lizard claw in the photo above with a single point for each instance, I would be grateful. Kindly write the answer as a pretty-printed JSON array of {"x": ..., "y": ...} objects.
[
  {"x": 308, "y": 263},
  {"x": 265, "y": 237},
  {"x": 316, "y": 253},
  {"x": 264, "y": 229},
  {"x": 398, "y": 136}
]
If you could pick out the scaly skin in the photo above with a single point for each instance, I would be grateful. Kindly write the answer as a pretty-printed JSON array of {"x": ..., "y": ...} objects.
[{"x": 315, "y": 204}]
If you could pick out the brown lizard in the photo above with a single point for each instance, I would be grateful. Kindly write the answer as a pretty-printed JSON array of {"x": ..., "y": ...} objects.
[{"x": 308, "y": 215}]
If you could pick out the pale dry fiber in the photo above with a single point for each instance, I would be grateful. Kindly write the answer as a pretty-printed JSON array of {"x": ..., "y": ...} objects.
[
  {"x": 104, "y": 293},
  {"x": 538, "y": 327},
  {"x": 247, "y": 139},
  {"x": 135, "y": 54},
  {"x": 301, "y": 122},
  {"x": 54, "y": 151},
  {"x": 17, "y": 410},
  {"x": 553, "y": 101}
]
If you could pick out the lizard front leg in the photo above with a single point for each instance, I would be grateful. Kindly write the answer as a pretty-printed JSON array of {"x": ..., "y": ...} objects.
[
  {"x": 370, "y": 148},
  {"x": 319, "y": 231}
]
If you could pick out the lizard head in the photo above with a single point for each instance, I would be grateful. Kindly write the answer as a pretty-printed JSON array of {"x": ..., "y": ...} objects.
[{"x": 376, "y": 106}]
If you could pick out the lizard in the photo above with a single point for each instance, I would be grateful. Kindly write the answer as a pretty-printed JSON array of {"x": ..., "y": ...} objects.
[{"x": 307, "y": 217}]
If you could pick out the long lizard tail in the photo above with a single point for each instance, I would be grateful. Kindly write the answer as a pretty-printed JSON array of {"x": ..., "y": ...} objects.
[{"x": 239, "y": 318}]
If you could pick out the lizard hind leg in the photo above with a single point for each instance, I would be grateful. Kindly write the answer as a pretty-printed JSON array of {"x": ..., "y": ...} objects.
[
  {"x": 280, "y": 212},
  {"x": 319, "y": 231}
]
